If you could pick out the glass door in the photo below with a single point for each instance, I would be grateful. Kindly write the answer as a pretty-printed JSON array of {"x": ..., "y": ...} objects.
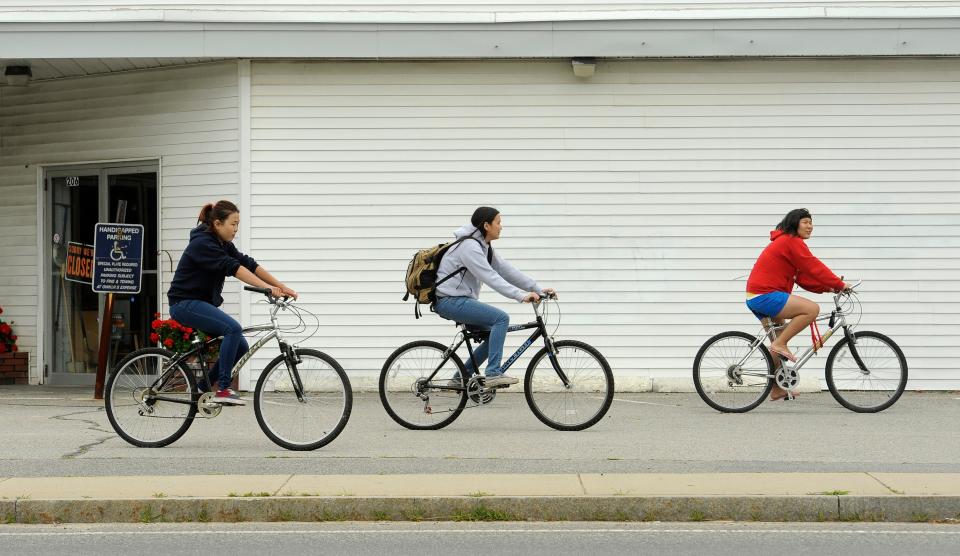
[{"x": 76, "y": 200}]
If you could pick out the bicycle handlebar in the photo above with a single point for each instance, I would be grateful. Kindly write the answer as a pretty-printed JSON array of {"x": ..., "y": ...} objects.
[{"x": 267, "y": 292}]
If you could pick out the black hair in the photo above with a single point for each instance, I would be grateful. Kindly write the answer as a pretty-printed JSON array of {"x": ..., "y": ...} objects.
[
  {"x": 791, "y": 221},
  {"x": 481, "y": 216},
  {"x": 220, "y": 211}
]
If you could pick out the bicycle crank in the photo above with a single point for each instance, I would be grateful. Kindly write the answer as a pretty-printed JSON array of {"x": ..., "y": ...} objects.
[
  {"x": 788, "y": 379},
  {"x": 208, "y": 408}
]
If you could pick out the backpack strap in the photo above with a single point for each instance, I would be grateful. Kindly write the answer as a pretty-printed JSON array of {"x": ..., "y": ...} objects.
[{"x": 462, "y": 269}]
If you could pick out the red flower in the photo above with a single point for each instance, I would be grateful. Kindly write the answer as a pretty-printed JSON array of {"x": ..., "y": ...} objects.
[
  {"x": 13, "y": 338},
  {"x": 168, "y": 342},
  {"x": 156, "y": 315},
  {"x": 156, "y": 324},
  {"x": 5, "y": 328},
  {"x": 3, "y": 347},
  {"x": 1, "y": 310},
  {"x": 154, "y": 337},
  {"x": 188, "y": 330},
  {"x": 14, "y": 348},
  {"x": 186, "y": 336}
]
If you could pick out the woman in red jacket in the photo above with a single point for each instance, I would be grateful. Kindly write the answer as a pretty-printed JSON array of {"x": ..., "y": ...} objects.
[{"x": 784, "y": 262}]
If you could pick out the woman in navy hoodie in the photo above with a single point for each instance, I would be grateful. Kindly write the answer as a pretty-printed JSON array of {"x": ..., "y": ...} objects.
[{"x": 195, "y": 292}]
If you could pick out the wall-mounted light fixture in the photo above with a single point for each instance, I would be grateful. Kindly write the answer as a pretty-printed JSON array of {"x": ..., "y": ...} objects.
[
  {"x": 584, "y": 67},
  {"x": 17, "y": 76}
]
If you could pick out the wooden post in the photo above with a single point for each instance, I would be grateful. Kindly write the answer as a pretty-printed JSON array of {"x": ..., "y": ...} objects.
[{"x": 106, "y": 321}]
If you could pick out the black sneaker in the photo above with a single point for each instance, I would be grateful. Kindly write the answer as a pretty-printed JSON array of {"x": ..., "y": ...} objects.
[{"x": 228, "y": 397}]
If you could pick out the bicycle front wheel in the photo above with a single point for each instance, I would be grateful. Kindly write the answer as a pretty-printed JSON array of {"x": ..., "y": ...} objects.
[
  {"x": 149, "y": 404},
  {"x": 581, "y": 402},
  {"x": 874, "y": 386},
  {"x": 730, "y": 375},
  {"x": 315, "y": 416},
  {"x": 415, "y": 393}
]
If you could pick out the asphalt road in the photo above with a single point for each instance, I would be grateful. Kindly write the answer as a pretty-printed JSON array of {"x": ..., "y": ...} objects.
[
  {"x": 527, "y": 539},
  {"x": 62, "y": 432}
]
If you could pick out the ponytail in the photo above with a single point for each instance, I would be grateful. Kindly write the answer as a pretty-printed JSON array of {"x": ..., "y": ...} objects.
[{"x": 212, "y": 212}]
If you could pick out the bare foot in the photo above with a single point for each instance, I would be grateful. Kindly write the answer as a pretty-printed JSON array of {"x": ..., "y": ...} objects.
[
  {"x": 779, "y": 393},
  {"x": 782, "y": 351}
]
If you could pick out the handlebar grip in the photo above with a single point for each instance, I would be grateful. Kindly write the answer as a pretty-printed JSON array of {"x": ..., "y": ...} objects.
[{"x": 264, "y": 291}]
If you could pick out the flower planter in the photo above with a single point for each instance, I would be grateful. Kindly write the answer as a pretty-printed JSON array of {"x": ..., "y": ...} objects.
[{"x": 14, "y": 367}]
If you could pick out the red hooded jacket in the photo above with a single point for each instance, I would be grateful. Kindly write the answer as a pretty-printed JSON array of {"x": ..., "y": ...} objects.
[{"x": 788, "y": 260}]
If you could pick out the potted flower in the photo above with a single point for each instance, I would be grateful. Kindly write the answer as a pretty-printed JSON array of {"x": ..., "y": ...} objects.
[
  {"x": 14, "y": 364},
  {"x": 179, "y": 338}
]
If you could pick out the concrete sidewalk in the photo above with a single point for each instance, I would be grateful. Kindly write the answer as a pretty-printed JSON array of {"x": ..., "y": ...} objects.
[{"x": 470, "y": 497}]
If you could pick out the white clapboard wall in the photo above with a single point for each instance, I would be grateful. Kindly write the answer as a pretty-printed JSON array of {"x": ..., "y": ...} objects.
[
  {"x": 185, "y": 117},
  {"x": 641, "y": 194}
]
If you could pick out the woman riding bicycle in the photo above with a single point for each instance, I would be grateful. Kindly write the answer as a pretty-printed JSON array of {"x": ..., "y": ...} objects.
[
  {"x": 784, "y": 262},
  {"x": 195, "y": 292},
  {"x": 474, "y": 259}
]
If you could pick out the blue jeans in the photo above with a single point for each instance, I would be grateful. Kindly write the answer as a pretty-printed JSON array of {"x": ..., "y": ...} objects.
[
  {"x": 212, "y": 321},
  {"x": 485, "y": 317}
]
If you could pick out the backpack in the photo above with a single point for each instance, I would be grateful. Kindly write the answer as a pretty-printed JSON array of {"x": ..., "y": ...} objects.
[{"x": 421, "y": 275}]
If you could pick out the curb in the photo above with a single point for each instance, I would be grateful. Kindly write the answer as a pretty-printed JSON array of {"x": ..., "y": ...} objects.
[{"x": 488, "y": 508}]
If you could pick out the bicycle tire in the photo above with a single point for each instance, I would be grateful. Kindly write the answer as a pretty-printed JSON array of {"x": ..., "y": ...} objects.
[
  {"x": 456, "y": 400},
  {"x": 316, "y": 382},
  {"x": 562, "y": 396},
  {"x": 706, "y": 385},
  {"x": 185, "y": 385},
  {"x": 845, "y": 399}
]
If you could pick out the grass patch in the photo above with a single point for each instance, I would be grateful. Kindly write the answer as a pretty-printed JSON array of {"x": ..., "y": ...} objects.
[
  {"x": 836, "y": 492},
  {"x": 285, "y": 515},
  {"x": 380, "y": 516},
  {"x": 159, "y": 495},
  {"x": 482, "y": 513},
  {"x": 920, "y": 517},
  {"x": 9, "y": 518},
  {"x": 256, "y": 495},
  {"x": 697, "y": 515},
  {"x": 479, "y": 494},
  {"x": 147, "y": 516},
  {"x": 203, "y": 516}
]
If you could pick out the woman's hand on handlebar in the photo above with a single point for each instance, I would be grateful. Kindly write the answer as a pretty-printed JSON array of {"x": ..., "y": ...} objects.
[
  {"x": 288, "y": 291},
  {"x": 530, "y": 297},
  {"x": 551, "y": 293}
]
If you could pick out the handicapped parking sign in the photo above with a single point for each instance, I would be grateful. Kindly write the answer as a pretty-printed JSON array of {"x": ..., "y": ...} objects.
[{"x": 118, "y": 258}]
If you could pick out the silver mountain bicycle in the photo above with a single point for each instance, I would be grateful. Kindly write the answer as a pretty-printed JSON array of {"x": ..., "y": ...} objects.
[
  {"x": 302, "y": 400},
  {"x": 866, "y": 372}
]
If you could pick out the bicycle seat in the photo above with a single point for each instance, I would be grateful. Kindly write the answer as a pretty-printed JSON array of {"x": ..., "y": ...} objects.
[{"x": 475, "y": 331}]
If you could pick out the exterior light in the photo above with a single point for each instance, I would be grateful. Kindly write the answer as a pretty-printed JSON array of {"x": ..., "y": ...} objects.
[
  {"x": 584, "y": 67},
  {"x": 17, "y": 76}
]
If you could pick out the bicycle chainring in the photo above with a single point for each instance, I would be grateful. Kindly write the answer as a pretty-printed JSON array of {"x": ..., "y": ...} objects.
[
  {"x": 206, "y": 407},
  {"x": 788, "y": 379}
]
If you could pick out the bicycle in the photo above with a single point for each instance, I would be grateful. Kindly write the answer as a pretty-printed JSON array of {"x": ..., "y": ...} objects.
[
  {"x": 865, "y": 372},
  {"x": 568, "y": 384},
  {"x": 302, "y": 400}
]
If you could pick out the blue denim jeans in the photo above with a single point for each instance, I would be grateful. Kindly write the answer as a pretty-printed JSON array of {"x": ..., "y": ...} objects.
[
  {"x": 485, "y": 317},
  {"x": 214, "y": 322}
]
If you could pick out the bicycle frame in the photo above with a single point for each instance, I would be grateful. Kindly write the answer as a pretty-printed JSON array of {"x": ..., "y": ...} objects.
[
  {"x": 199, "y": 348},
  {"x": 836, "y": 319},
  {"x": 467, "y": 335}
]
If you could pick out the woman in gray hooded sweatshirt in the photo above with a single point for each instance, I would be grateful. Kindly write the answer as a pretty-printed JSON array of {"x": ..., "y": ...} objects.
[{"x": 457, "y": 296}]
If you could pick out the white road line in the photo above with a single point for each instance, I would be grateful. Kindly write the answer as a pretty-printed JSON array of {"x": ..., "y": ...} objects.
[
  {"x": 644, "y": 403},
  {"x": 140, "y": 532}
]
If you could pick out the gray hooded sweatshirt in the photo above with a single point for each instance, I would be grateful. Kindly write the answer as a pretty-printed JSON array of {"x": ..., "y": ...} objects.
[{"x": 498, "y": 274}]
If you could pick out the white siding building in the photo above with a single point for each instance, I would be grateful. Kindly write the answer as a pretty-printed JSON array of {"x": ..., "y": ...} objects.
[{"x": 351, "y": 138}]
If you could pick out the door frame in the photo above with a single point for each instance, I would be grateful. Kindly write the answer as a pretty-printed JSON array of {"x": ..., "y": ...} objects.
[{"x": 103, "y": 169}]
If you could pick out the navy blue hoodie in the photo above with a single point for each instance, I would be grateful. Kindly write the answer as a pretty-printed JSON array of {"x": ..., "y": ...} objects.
[{"x": 204, "y": 265}]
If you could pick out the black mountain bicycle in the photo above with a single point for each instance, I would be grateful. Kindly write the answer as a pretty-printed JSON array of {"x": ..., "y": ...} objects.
[{"x": 568, "y": 385}]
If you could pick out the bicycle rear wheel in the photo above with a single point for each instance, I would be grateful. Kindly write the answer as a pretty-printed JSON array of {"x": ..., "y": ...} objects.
[
  {"x": 728, "y": 376},
  {"x": 144, "y": 410},
  {"x": 586, "y": 398},
  {"x": 316, "y": 419},
  {"x": 415, "y": 402},
  {"x": 875, "y": 386}
]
